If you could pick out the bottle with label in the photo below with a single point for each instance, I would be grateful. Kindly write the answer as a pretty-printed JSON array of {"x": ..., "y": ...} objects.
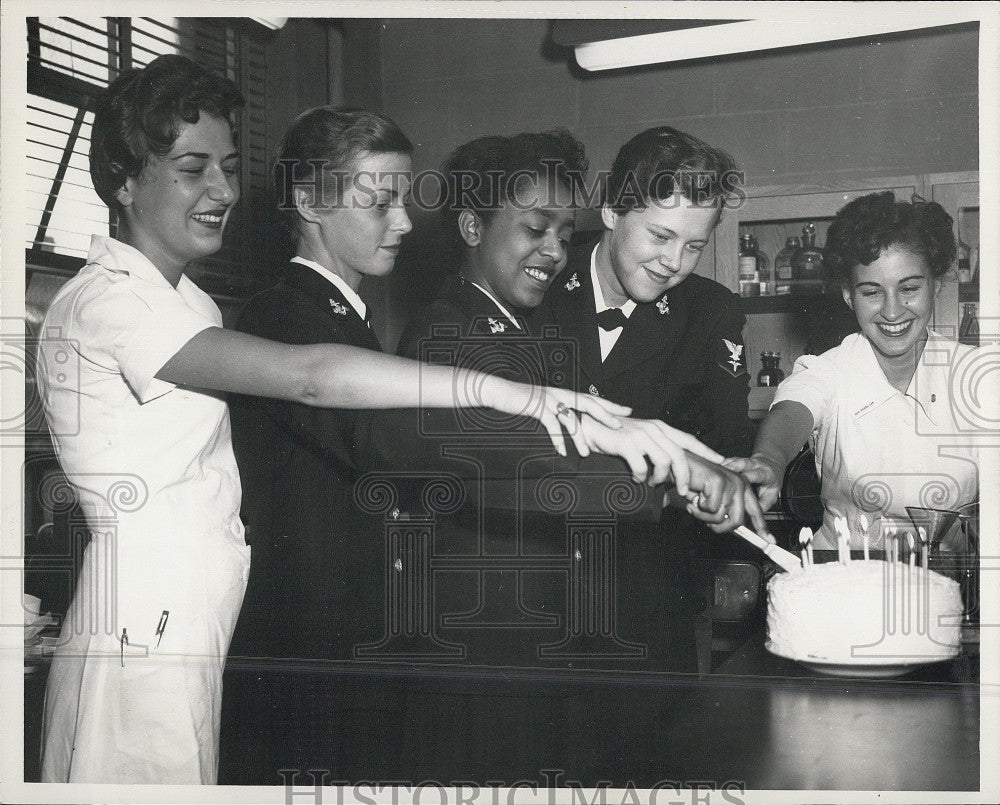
[
  {"x": 771, "y": 373},
  {"x": 763, "y": 269},
  {"x": 748, "y": 276},
  {"x": 807, "y": 264},
  {"x": 783, "y": 265},
  {"x": 968, "y": 327},
  {"x": 964, "y": 254}
]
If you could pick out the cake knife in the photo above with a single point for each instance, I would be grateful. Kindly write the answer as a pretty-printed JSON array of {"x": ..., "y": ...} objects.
[{"x": 786, "y": 560}]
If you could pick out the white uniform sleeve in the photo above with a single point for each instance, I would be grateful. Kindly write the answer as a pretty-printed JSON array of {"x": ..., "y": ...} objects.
[
  {"x": 140, "y": 326},
  {"x": 812, "y": 383}
]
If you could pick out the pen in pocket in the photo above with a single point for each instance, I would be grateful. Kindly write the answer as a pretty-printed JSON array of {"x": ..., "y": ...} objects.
[{"x": 161, "y": 626}]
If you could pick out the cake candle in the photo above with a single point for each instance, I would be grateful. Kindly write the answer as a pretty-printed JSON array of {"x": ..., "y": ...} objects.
[
  {"x": 863, "y": 525},
  {"x": 843, "y": 540},
  {"x": 922, "y": 533},
  {"x": 806, "y": 538},
  {"x": 913, "y": 554}
]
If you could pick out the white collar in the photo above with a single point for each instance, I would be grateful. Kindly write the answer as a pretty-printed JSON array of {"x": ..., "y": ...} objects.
[
  {"x": 599, "y": 303},
  {"x": 114, "y": 255},
  {"x": 931, "y": 376},
  {"x": 349, "y": 293},
  {"x": 497, "y": 303}
]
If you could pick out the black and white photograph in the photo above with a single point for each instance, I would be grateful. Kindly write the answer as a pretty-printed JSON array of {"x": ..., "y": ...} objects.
[{"x": 500, "y": 402}]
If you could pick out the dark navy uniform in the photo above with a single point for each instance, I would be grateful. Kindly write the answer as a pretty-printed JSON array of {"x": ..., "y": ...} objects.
[
  {"x": 679, "y": 358},
  {"x": 316, "y": 583},
  {"x": 297, "y": 695},
  {"x": 568, "y": 716}
]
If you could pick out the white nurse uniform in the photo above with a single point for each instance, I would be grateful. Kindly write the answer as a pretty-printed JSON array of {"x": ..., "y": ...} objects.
[
  {"x": 877, "y": 449},
  {"x": 134, "y": 691}
]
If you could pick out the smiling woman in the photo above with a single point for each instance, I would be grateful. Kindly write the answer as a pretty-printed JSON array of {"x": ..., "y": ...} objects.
[
  {"x": 175, "y": 210},
  {"x": 880, "y": 409}
]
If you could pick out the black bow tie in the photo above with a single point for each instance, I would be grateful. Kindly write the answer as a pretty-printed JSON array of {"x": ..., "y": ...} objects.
[{"x": 612, "y": 318}]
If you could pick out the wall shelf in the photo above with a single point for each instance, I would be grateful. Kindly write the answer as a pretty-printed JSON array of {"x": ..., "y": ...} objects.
[{"x": 785, "y": 303}]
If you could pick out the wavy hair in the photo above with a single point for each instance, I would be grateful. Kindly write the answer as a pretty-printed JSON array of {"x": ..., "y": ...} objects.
[
  {"x": 872, "y": 224},
  {"x": 141, "y": 112}
]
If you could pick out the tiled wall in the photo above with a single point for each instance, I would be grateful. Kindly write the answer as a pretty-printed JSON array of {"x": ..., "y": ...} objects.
[{"x": 906, "y": 104}]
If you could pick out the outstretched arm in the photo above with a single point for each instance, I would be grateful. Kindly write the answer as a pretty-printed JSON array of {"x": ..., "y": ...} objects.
[
  {"x": 780, "y": 438},
  {"x": 339, "y": 376}
]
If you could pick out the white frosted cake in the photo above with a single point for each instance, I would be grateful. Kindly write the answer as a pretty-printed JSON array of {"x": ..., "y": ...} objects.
[{"x": 863, "y": 613}]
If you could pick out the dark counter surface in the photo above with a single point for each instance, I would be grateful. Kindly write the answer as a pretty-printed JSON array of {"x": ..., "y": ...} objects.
[
  {"x": 770, "y": 723},
  {"x": 757, "y": 722}
]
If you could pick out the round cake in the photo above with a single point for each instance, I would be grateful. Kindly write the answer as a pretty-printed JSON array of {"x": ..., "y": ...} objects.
[{"x": 863, "y": 613}]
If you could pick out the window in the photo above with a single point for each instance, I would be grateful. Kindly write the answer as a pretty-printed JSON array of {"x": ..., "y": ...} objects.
[{"x": 70, "y": 61}]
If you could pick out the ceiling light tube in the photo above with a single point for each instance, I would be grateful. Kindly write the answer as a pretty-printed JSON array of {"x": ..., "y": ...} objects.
[{"x": 742, "y": 37}]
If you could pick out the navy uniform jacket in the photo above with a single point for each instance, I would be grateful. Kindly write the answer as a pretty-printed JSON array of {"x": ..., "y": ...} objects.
[
  {"x": 680, "y": 358},
  {"x": 316, "y": 579},
  {"x": 560, "y": 721},
  {"x": 537, "y": 354},
  {"x": 316, "y": 587}
]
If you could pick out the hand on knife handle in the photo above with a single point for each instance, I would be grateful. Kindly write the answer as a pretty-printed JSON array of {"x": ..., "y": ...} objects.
[{"x": 721, "y": 498}]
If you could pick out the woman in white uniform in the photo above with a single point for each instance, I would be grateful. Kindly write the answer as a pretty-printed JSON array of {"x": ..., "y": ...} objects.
[
  {"x": 882, "y": 411},
  {"x": 130, "y": 372}
]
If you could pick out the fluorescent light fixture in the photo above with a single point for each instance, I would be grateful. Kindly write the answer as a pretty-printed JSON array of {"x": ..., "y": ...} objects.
[
  {"x": 743, "y": 37},
  {"x": 274, "y": 23}
]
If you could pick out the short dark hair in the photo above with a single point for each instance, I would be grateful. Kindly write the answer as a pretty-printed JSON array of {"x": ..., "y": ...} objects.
[
  {"x": 335, "y": 137},
  {"x": 477, "y": 174},
  {"x": 662, "y": 161},
  {"x": 140, "y": 114},
  {"x": 871, "y": 224}
]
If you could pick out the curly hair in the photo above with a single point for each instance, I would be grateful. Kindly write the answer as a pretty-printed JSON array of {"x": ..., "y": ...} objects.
[
  {"x": 141, "y": 112},
  {"x": 335, "y": 138},
  {"x": 482, "y": 175},
  {"x": 661, "y": 161},
  {"x": 869, "y": 225}
]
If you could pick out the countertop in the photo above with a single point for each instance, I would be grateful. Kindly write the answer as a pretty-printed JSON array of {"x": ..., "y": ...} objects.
[
  {"x": 760, "y": 722},
  {"x": 773, "y": 724}
]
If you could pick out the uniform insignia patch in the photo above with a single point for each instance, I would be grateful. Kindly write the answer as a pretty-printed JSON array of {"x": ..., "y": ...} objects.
[
  {"x": 338, "y": 308},
  {"x": 734, "y": 363},
  {"x": 496, "y": 326},
  {"x": 573, "y": 283}
]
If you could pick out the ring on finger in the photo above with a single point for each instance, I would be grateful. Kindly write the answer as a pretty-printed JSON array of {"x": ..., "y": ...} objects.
[{"x": 561, "y": 409}]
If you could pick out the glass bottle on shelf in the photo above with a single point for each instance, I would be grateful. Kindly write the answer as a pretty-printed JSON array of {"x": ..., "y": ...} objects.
[
  {"x": 770, "y": 373},
  {"x": 783, "y": 265},
  {"x": 964, "y": 254},
  {"x": 748, "y": 276},
  {"x": 763, "y": 270},
  {"x": 968, "y": 327},
  {"x": 807, "y": 264}
]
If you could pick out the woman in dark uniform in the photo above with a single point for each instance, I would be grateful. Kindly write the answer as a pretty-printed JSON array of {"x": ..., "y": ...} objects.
[
  {"x": 508, "y": 221},
  {"x": 317, "y": 593}
]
